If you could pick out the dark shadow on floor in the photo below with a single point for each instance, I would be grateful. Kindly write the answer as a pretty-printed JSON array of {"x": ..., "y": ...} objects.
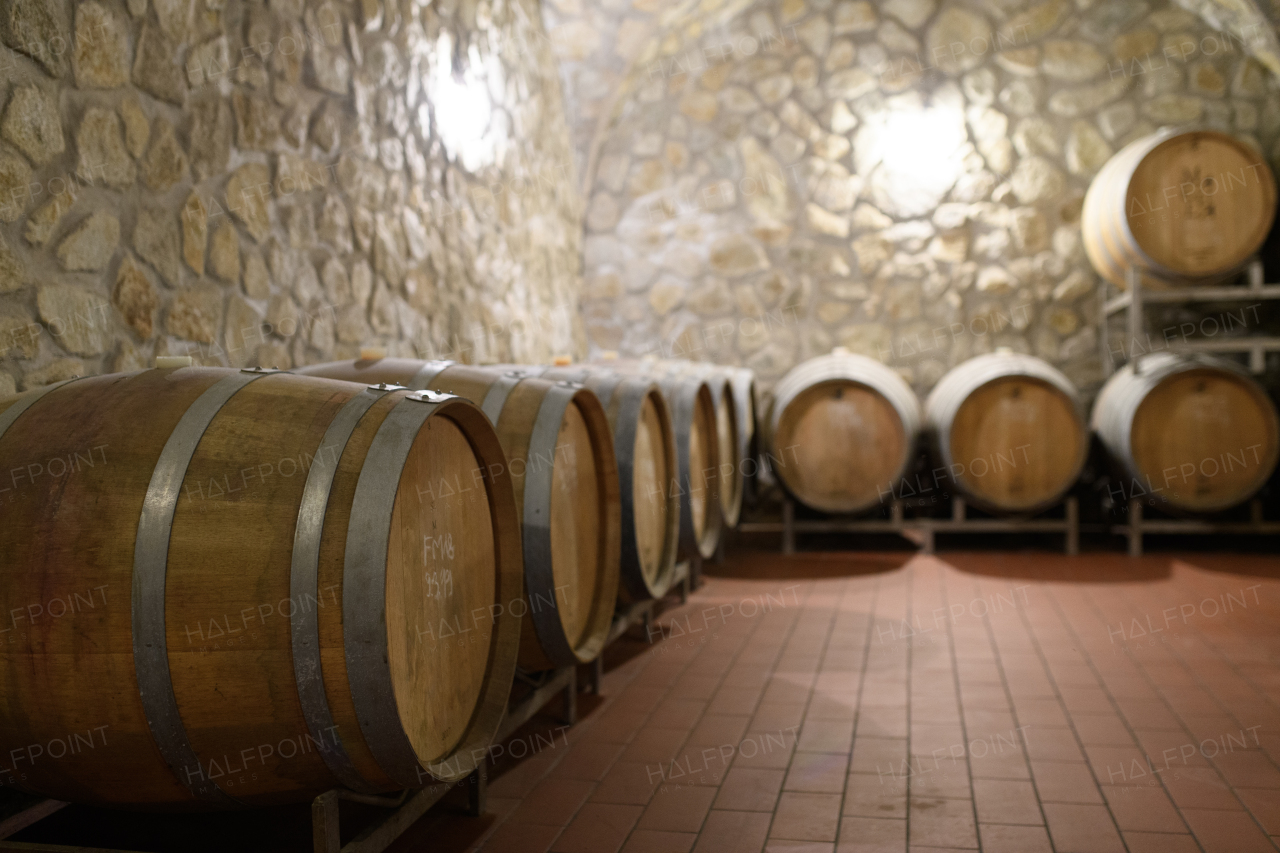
[
  {"x": 1094, "y": 567},
  {"x": 744, "y": 563},
  {"x": 1251, "y": 565}
]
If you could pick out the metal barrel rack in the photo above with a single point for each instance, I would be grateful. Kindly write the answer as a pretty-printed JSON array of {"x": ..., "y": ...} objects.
[
  {"x": 685, "y": 579},
  {"x": 1134, "y": 300},
  {"x": 923, "y": 530},
  {"x": 404, "y": 810},
  {"x": 1138, "y": 526}
]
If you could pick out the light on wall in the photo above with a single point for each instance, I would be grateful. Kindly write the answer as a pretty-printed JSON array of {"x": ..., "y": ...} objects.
[
  {"x": 925, "y": 141},
  {"x": 460, "y": 103},
  {"x": 917, "y": 153}
]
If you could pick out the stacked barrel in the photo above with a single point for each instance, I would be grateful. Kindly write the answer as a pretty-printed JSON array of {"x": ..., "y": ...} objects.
[
  {"x": 1178, "y": 206},
  {"x": 1191, "y": 433}
]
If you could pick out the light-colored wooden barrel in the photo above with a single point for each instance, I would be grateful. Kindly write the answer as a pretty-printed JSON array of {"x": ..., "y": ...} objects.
[
  {"x": 728, "y": 431},
  {"x": 216, "y": 591},
  {"x": 743, "y": 381},
  {"x": 644, "y": 444},
  {"x": 1009, "y": 431},
  {"x": 565, "y": 475},
  {"x": 1196, "y": 434},
  {"x": 1179, "y": 206},
  {"x": 693, "y": 414},
  {"x": 843, "y": 432}
]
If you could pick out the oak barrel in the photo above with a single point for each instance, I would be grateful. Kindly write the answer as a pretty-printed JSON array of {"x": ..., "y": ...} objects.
[
  {"x": 560, "y": 451},
  {"x": 1009, "y": 432},
  {"x": 217, "y": 591},
  {"x": 843, "y": 432},
  {"x": 1178, "y": 205},
  {"x": 1195, "y": 433},
  {"x": 744, "y": 397},
  {"x": 696, "y": 424},
  {"x": 728, "y": 472},
  {"x": 644, "y": 444},
  {"x": 728, "y": 431}
]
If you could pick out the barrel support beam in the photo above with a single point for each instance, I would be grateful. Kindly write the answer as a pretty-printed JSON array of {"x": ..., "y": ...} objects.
[
  {"x": 1137, "y": 298},
  {"x": 639, "y": 613},
  {"x": 923, "y": 531},
  {"x": 326, "y": 825},
  {"x": 1138, "y": 526}
]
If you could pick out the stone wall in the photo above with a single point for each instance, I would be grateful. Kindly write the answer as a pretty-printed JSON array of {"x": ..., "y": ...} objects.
[
  {"x": 845, "y": 176},
  {"x": 281, "y": 182}
]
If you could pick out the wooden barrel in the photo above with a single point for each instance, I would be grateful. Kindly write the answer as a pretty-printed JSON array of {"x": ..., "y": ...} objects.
[
  {"x": 1195, "y": 434},
  {"x": 694, "y": 416},
  {"x": 216, "y": 590},
  {"x": 743, "y": 381},
  {"x": 843, "y": 432},
  {"x": 560, "y": 451},
  {"x": 644, "y": 444},
  {"x": 1178, "y": 206},
  {"x": 728, "y": 431},
  {"x": 1009, "y": 431}
]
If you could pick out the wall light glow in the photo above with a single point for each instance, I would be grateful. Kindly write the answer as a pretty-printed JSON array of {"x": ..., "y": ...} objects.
[
  {"x": 927, "y": 141},
  {"x": 917, "y": 153},
  {"x": 460, "y": 102}
]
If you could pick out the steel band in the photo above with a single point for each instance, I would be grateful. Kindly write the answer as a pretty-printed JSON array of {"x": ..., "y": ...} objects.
[
  {"x": 498, "y": 392},
  {"x": 150, "y": 567},
  {"x": 427, "y": 373},
  {"x": 364, "y": 591},
  {"x": 304, "y": 580},
  {"x": 26, "y": 401},
  {"x": 539, "y": 575}
]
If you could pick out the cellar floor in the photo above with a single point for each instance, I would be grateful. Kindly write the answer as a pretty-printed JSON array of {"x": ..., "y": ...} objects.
[{"x": 886, "y": 702}]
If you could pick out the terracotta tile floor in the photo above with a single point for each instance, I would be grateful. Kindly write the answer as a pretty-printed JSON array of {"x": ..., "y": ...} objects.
[{"x": 1000, "y": 702}]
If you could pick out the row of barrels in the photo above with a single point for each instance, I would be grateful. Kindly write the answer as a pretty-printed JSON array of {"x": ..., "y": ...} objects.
[
  {"x": 232, "y": 588},
  {"x": 1009, "y": 432}
]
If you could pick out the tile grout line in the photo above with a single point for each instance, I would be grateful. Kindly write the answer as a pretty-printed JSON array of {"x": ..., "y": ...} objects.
[
  {"x": 1187, "y": 731},
  {"x": 1115, "y": 705},
  {"x": 857, "y": 708},
  {"x": 803, "y": 720},
  {"x": 1057, "y": 691},
  {"x": 1013, "y": 712},
  {"x": 719, "y": 684}
]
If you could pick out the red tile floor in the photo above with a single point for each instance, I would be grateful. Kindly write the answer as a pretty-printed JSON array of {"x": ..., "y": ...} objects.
[{"x": 855, "y": 702}]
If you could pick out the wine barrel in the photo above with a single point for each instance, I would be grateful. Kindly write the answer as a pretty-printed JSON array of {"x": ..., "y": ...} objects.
[
  {"x": 556, "y": 437},
  {"x": 842, "y": 432},
  {"x": 1178, "y": 206},
  {"x": 693, "y": 414},
  {"x": 743, "y": 381},
  {"x": 644, "y": 444},
  {"x": 216, "y": 592},
  {"x": 1009, "y": 432},
  {"x": 728, "y": 431},
  {"x": 698, "y": 441},
  {"x": 1195, "y": 433}
]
